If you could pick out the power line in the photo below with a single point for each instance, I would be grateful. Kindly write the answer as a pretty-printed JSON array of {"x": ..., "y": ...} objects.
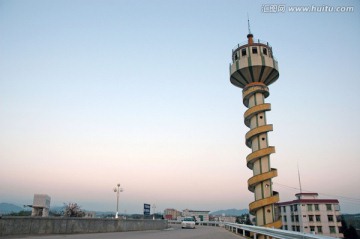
[{"x": 354, "y": 200}]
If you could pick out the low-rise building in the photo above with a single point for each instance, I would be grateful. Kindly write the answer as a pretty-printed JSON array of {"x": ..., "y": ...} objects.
[
  {"x": 310, "y": 214},
  {"x": 171, "y": 214},
  {"x": 230, "y": 219},
  {"x": 90, "y": 214},
  {"x": 199, "y": 215}
]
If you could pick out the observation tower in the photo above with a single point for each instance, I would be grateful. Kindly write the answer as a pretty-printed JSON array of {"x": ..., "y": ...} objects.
[{"x": 253, "y": 69}]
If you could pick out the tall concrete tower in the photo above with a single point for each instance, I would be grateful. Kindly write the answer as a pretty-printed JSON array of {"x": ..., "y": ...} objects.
[{"x": 253, "y": 68}]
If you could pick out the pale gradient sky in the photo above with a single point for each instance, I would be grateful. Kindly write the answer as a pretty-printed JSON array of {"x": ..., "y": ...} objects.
[{"x": 93, "y": 93}]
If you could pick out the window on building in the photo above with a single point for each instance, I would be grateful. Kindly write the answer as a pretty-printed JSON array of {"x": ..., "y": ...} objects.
[
  {"x": 318, "y": 218},
  {"x": 236, "y": 56},
  {"x": 311, "y": 218},
  {"x": 291, "y": 208},
  {"x": 309, "y": 206},
  {"x": 330, "y": 218},
  {"x": 319, "y": 228},
  {"x": 316, "y": 207},
  {"x": 293, "y": 228},
  {"x": 285, "y": 219},
  {"x": 284, "y": 208},
  {"x": 298, "y": 228},
  {"x": 295, "y": 208},
  {"x": 243, "y": 52},
  {"x": 254, "y": 50},
  {"x": 264, "y": 51},
  {"x": 292, "y": 218},
  {"x": 328, "y": 207},
  {"x": 332, "y": 229},
  {"x": 312, "y": 228},
  {"x": 297, "y": 218},
  {"x": 286, "y": 227}
]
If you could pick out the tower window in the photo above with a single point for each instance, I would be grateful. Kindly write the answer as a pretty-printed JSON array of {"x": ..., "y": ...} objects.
[
  {"x": 261, "y": 117},
  {"x": 243, "y": 52},
  {"x": 264, "y": 51},
  {"x": 254, "y": 50},
  {"x": 263, "y": 138},
  {"x": 236, "y": 56}
]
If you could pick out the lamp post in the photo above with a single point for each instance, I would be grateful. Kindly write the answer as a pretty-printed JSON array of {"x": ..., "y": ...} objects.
[
  {"x": 117, "y": 191},
  {"x": 154, "y": 207}
]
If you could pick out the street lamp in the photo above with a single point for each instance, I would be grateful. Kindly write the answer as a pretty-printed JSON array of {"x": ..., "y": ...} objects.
[
  {"x": 154, "y": 207},
  {"x": 117, "y": 191}
]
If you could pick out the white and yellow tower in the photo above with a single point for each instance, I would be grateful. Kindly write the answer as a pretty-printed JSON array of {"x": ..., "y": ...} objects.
[{"x": 253, "y": 68}]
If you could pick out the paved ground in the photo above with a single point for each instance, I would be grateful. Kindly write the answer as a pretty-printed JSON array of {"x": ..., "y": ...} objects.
[{"x": 200, "y": 232}]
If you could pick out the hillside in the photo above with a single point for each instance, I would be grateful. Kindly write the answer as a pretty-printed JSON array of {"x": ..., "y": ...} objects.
[{"x": 6, "y": 208}]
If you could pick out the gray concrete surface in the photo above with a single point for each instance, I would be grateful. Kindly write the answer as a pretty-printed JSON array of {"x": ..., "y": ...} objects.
[
  {"x": 175, "y": 232},
  {"x": 59, "y": 225}
]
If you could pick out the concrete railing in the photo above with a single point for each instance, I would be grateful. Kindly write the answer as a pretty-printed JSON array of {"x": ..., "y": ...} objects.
[
  {"x": 246, "y": 230},
  {"x": 62, "y": 225}
]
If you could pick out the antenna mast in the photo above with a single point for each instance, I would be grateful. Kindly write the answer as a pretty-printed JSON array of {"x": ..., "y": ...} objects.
[
  {"x": 299, "y": 178},
  {"x": 249, "y": 24}
]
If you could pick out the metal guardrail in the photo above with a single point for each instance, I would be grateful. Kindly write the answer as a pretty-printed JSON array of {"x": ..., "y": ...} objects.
[
  {"x": 271, "y": 232},
  {"x": 243, "y": 229}
]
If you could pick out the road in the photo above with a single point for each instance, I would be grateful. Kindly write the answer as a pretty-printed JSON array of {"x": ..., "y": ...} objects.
[{"x": 175, "y": 232}]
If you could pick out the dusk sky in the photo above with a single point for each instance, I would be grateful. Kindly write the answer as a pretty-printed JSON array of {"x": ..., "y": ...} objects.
[{"x": 137, "y": 92}]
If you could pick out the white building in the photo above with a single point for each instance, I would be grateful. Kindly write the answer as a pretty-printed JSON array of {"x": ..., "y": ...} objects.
[
  {"x": 310, "y": 214},
  {"x": 230, "y": 219},
  {"x": 199, "y": 215},
  {"x": 90, "y": 214}
]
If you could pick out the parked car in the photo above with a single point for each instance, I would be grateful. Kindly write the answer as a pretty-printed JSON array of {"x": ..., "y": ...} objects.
[{"x": 188, "y": 222}]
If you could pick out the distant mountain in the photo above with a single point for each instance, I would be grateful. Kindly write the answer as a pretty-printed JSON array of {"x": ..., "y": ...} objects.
[
  {"x": 6, "y": 208},
  {"x": 231, "y": 212}
]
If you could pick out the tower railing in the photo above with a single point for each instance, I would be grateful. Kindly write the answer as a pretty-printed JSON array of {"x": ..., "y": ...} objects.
[{"x": 256, "y": 41}]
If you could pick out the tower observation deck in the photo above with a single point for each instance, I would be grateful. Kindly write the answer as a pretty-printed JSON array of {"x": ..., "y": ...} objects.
[{"x": 253, "y": 68}]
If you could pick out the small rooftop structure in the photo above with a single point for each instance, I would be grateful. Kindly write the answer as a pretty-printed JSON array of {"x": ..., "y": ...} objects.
[{"x": 41, "y": 205}]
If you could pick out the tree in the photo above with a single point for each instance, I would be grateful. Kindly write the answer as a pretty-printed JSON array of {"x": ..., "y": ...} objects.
[
  {"x": 349, "y": 232},
  {"x": 21, "y": 213},
  {"x": 73, "y": 210},
  {"x": 54, "y": 213},
  {"x": 244, "y": 219}
]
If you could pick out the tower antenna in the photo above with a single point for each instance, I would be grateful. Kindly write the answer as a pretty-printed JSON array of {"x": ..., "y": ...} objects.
[
  {"x": 299, "y": 177},
  {"x": 248, "y": 23}
]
